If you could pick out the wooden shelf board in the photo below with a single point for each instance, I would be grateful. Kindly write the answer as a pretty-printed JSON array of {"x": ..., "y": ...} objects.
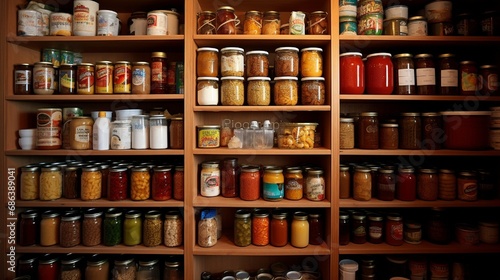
[
  {"x": 401, "y": 152},
  {"x": 274, "y": 151},
  {"x": 423, "y": 248},
  {"x": 236, "y": 202},
  {"x": 319, "y": 108},
  {"x": 375, "y": 203},
  {"x": 104, "y": 203},
  {"x": 375, "y": 97},
  {"x": 96, "y": 97},
  {"x": 101, "y": 249},
  {"x": 62, "y": 152}
]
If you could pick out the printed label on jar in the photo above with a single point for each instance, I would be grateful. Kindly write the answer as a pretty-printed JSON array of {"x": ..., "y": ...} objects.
[
  {"x": 426, "y": 77},
  {"x": 43, "y": 78},
  {"x": 449, "y": 78},
  {"x": 397, "y": 232},
  {"x": 49, "y": 128},
  {"x": 210, "y": 183},
  {"x": 439, "y": 269},
  {"x": 121, "y": 137},
  {"x": 273, "y": 191},
  {"x": 138, "y": 77},
  {"x": 469, "y": 81},
  {"x": 387, "y": 188},
  {"x": 375, "y": 232},
  {"x": 104, "y": 79},
  {"x": 66, "y": 80},
  {"x": 82, "y": 134},
  {"x": 86, "y": 80},
  {"x": 469, "y": 191},
  {"x": 406, "y": 77},
  {"x": 316, "y": 190},
  {"x": 22, "y": 77},
  {"x": 491, "y": 82},
  {"x": 122, "y": 79}
]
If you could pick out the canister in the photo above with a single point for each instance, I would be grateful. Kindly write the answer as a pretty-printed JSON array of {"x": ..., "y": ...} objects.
[
  {"x": 61, "y": 24},
  {"x": 208, "y": 136},
  {"x": 107, "y": 23},
  {"x": 417, "y": 26},
  {"x": 371, "y": 24},
  {"x": 157, "y": 23},
  {"x": 348, "y": 25},
  {"x": 85, "y": 17}
]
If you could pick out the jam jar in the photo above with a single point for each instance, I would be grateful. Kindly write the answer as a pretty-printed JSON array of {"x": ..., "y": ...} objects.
[
  {"x": 368, "y": 132},
  {"x": 389, "y": 136},
  {"x": 117, "y": 183},
  {"x": 26, "y": 266},
  {"x": 344, "y": 228},
  {"x": 226, "y": 20},
  {"x": 315, "y": 229},
  {"x": 426, "y": 74},
  {"x": 352, "y": 73},
  {"x": 279, "y": 230},
  {"x": 410, "y": 131},
  {"x": 386, "y": 185},
  {"x": 23, "y": 78},
  {"x": 207, "y": 62},
  {"x": 362, "y": 184},
  {"x": 286, "y": 62},
  {"x": 345, "y": 182},
  {"x": 161, "y": 184},
  {"x": 252, "y": 25},
  {"x": 48, "y": 267},
  {"x": 375, "y": 228},
  {"x": 158, "y": 72},
  {"x": 317, "y": 23},
  {"x": 271, "y": 23},
  {"x": 448, "y": 74},
  {"x": 406, "y": 184},
  {"x": 404, "y": 74},
  {"x": 260, "y": 227},
  {"x": 394, "y": 229},
  {"x": 206, "y": 23},
  {"x": 468, "y": 78},
  {"x": 432, "y": 131},
  {"x": 311, "y": 62},
  {"x": 488, "y": 77},
  {"x": 379, "y": 73}
]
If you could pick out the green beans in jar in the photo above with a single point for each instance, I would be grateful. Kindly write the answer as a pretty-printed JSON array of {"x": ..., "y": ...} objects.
[
  {"x": 258, "y": 91},
  {"x": 112, "y": 227}
]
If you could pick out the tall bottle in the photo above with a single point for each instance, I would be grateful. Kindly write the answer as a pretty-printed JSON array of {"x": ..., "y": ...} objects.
[
  {"x": 101, "y": 132},
  {"x": 249, "y": 135},
  {"x": 268, "y": 134}
]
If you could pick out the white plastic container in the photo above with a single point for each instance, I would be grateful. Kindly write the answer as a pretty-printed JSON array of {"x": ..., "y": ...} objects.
[
  {"x": 157, "y": 23},
  {"x": 158, "y": 132},
  {"x": 348, "y": 269},
  {"x": 396, "y": 11},
  {"x": 61, "y": 24},
  {"x": 172, "y": 22},
  {"x": 140, "y": 132},
  {"x": 107, "y": 23},
  {"x": 127, "y": 114},
  {"x": 85, "y": 17},
  {"x": 101, "y": 132}
]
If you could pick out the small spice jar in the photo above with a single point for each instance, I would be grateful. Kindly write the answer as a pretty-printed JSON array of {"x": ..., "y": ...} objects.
[
  {"x": 257, "y": 64},
  {"x": 386, "y": 184},
  {"x": 468, "y": 78},
  {"x": 447, "y": 184},
  {"x": 379, "y": 73},
  {"x": 112, "y": 229},
  {"x": 28, "y": 228},
  {"x": 49, "y": 228},
  {"x": 467, "y": 186},
  {"x": 173, "y": 229},
  {"x": 132, "y": 228},
  {"x": 92, "y": 227},
  {"x": 315, "y": 185},
  {"x": 317, "y": 23},
  {"x": 226, "y": 20},
  {"x": 242, "y": 228},
  {"x": 375, "y": 228},
  {"x": 207, "y": 62},
  {"x": 311, "y": 62},
  {"x": 50, "y": 183},
  {"x": 389, "y": 136},
  {"x": 141, "y": 78},
  {"x": 394, "y": 229},
  {"x": 286, "y": 91},
  {"x": 271, "y": 23},
  {"x": 406, "y": 184},
  {"x": 410, "y": 131},
  {"x": 232, "y": 91},
  {"x": 152, "y": 229},
  {"x": 346, "y": 140},
  {"x": 252, "y": 24},
  {"x": 362, "y": 184},
  {"x": 404, "y": 74},
  {"x": 448, "y": 74},
  {"x": 260, "y": 227},
  {"x": 488, "y": 80},
  {"x": 294, "y": 183},
  {"x": 427, "y": 184},
  {"x": 368, "y": 132},
  {"x": 207, "y": 91},
  {"x": 299, "y": 234},
  {"x": 412, "y": 232},
  {"x": 91, "y": 183},
  {"x": 312, "y": 91},
  {"x": 206, "y": 23},
  {"x": 43, "y": 78},
  {"x": 70, "y": 229},
  {"x": 23, "y": 78},
  {"x": 29, "y": 182},
  {"x": 359, "y": 228},
  {"x": 258, "y": 91},
  {"x": 344, "y": 228},
  {"x": 345, "y": 182},
  {"x": 286, "y": 62},
  {"x": 352, "y": 73},
  {"x": 232, "y": 62},
  {"x": 426, "y": 74},
  {"x": 250, "y": 188}
]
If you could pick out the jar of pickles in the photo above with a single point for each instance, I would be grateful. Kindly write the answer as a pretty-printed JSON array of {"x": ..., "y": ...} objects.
[
  {"x": 132, "y": 228},
  {"x": 50, "y": 183},
  {"x": 286, "y": 62},
  {"x": 29, "y": 184},
  {"x": 232, "y": 91},
  {"x": 286, "y": 91},
  {"x": 91, "y": 183},
  {"x": 271, "y": 23},
  {"x": 140, "y": 183},
  {"x": 49, "y": 228},
  {"x": 207, "y": 62},
  {"x": 311, "y": 62},
  {"x": 232, "y": 62},
  {"x": 112, "y": 229},
  {"x": 386, "y": 184},
  {"x": 253, "y": 23},
  {"x": 242, "y": 228}
]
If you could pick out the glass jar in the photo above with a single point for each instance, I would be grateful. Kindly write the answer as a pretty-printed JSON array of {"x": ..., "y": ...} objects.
[
  {"x": 117, "y": 183},
  {"x": 26, "y": 266},
  {"x": 43, "y": 78},
  {"x": 412, "y": 233},
  {"x": 253, "y": 23},
  {"x": 285, "y": 29},
  {"x": 140, "y": 132},
  {"x": 410, "y": 131},
  {"x": 311, "y": 62},
  {"x": 486, "y": 186},
  {"x": 406, "y": 184},
  {"x": 286, "y": 62},
  {"x": 28, "y": 228},
  {"x": 179, "y": 183},
  {"x": 345, "y": 182},
  {"x": 70, "y": 268},
  {"x": 299, "y": 230},
  {"x": 386, "y": 186},
  {"x": 258, "y": 91},
  {"x": 70, "y": 229},
  {"x": 260, "y": 227},
  {"x": 173, "y": 229},
  {"x": 448, "y": 72},
  {"x": 315, "y": 229},
  {"x": 132, "y": 228},
  {"x": 389, "y": 136},
  {"x": 312, "y": 91},
  {"x": 137, "y": 23},
  {"x": 432, "y": 131},
  {"x": 226, "y": 20},
  {"x": 85, "y": 75},
  {"x": 97, "y": 268},
  {"x": 140, "y": 183},
  {"x": 394, "y": 229},
  {"x": 172, "y": 271},
  {"x": 92, "y": 227},
  {"x": 158, "y": 73},
  {"x": 125, "y": 268},
  {"x": 437, "y": 228},
  {"x": 158, "y": 132},
  {"x": 404, "y": 74},
  {"x": 490, "y": 24},
  {"x": 232, "y": 62},
  {"x": 242, "y": 228},
  {"x": 273, "y": 184},
  {"x": 294, "y": 183},
  {"x": 271, "y": 23},
  {"x": 71, "y": 182},
  {"x": 210, "y": 179},
  {"x": 141, "y": 78},
  {"x": 344, "y": 228},
  {"x": 447, "y": 184},
  {"x": 375, "y": 227},
  {"x": 352, "y": 73},
  {"x": 80, "y": 133},
  {"x": 148, "y": 269},
  {"x": 468, "y": 78},
  {"x": 379, "y": 74},
  {"x": 286, "y": 91},
  {"x": 315, "y": 185},
  {"x": 359, "y": 228},
  {"x": 257, "y": 64},
  {"x": 427, "y": 184},
  {"x": 467, "y": 186},
  {"x": 49, "y": 228},
  {"x": 176, "y": 133},
  {"x": 426, "y": 74},
  {"x": 206, "y": 23},
  {"x": 48, "y": 267},
  {"x": 250, "y": 183},
  {"x": 67, "y": 78},
  {"x": 368, "y": 133},
  {"x": 362, "y": 184},
  {"x": 161, "y": 185},
  {"x": 207, "y": 62},
  {"x": 91, "y": 183},
  {"x": 29, "y": 182},
  {"x": 50, "y": 183},
  {"x": 279, "y": 230},
  {"x": 346, "y": 140},
  {"x": 23, "y": 78},
  {"x": 207, "y": 91},
  {"x": 317, "y": 23},
  {"x": 112, "y": 229},
  {"x": 488, "y": 80},
  {"x": 232, "y": 91},
  {"x": 104, "y": 77},
  {"x": 488, "y": 231},
  {"x": 207, "y": 228},
  {"x": 229, "y": 177}
]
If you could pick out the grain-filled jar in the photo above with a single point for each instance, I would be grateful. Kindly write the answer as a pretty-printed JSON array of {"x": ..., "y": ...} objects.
[
  {"x": 113, "y": 227},
  {"x": 271, "y": 23},
  {"x": 252, "y": 25},
  {"x": 315, "y": 185},
  {"x": 375, "y": 228},
  {"x": 488, "y": 80},
  {"x": 80, "y": 133},
  {"x": 49, "y": 228},
  {"x": 286, "y": 91},
  {"x": 294, "y": 183},
  {"x": 359, "y": 228},
  {"x": 352, "y": 73},
  {"x": 447, "y": 184},
  {"x": 468, "y": 78},
  {"x": 92, "y": 227},
  {"x": 410, "y": 131},
  {"x": 161, "y": 184},
  {"x": 242, "y": 228},
  {"x": 273, "y": 184},
  {"x": 173, "y": 229},
  {"x": 286, "y": 62},
  {"x": 43, "y": 78},
  {"x": 311, "y": 62},
  {"x": 23, "y": 78},
  {"x": 312, "y": 91},
  {"x": 406, "y": 184},
  {"x": 85, "y": 74},
  {"x": 205, "y": 23},
  {"x": 279, "y": 230},
  {"x": 448, "y": 74},
  {"x": 225, "y": 20},
  {"x": 379, "y": 71},
  {"x": 117, "y": 183},
  {"x": 207, "y": 92},
  {"x": 346, "y": 140},
  {"x": 299, "y": 235},
  {"x": 70, "y": 229},
  {"x": 232, "y": 91},
  {"x": 250, "y": 183},
  {"x": 152, "y": 230},
  {"x": 50, "y": 183},
  {"x": 426, "y": 74},
  {"x": 362, "y": 184},
  {"x": 368, "y": 132},
  {"x": 140, "y": 181},
  {"x": 467, "y": 186},
  {"x": 104, "y": 77},
  {"x": 141, "y": 78},
  {"x": 386, "y": 184},
  {"x": 29, "y": 182},
  {"x": 67, "y": 79},
  {"x": 394, "y": 229},
  {"x": 404, "y": 74},
  {"x": 432, "y": 131},
  {"x": 210, "y": 179},
  {"x": 91, "y": 183},
  {"x": 345, "y": 182},
  {"x": 132, "y": 228},
  {"x": 207, "y": 62},
  {"x": 232, "y": 62},
  {"x": 257, "y": 64},
  {"x": 28, "y": 228},
  {"x": 389, "y": 136},
  {"x": 258, "y": 91}
]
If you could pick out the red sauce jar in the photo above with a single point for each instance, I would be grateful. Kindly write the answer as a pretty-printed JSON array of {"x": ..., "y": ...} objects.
[
  {"x": 48, "y": 267},
  {"x": 28, "y": 228},
  {"x": 344, "y": 228},
  {"x": 279, "y": 230},
  {"x": 406, "y": 184},
  {"x": 394, "y": 229},
  {"x": 352, "y": 73},
  {"x": 118, "y": 182},
  {"x": 468, "y": 76},
  {"x": 359, "y": 228},
  {"x": 179, "y": 183},
  {"x": 315, "y": 229},
  {"x": 386, "y": 185},
  {"x": 159, "y": 71},
  {"x": 427, "y": 184},
  {"x": 379, "y": 73},
  {"x": 250, "y": 183},
  {"x": 161, "y": 187},
  {"x": 375, "y": 228}
]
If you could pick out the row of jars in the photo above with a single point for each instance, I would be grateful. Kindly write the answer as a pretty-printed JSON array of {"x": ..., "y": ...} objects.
[
  {"x": 89, "y": 181},
  {"x": 360, "y": 226},
  {"x": 272, "y": 183},
  {"x": 407, "y": 183},
  {"x": 421, "y": 74},
  {"x": 93, "y": 227},
  {"x": 99, "y": 267},
  {"x": 225, "y": 21}
]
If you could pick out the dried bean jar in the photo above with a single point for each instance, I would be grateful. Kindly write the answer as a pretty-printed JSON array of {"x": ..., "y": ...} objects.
[
  {"x": 432, "y": 131},
  {"x": 70, "y": 229},
  {"x": 232, "y": 62},
  {"x": 389, "y": 136},
  {"x": 311, "y": 62},
  {"x": 406, "y": 184},
  {"x": 359, "y": 228},
  {"x": 447, "y": 184},
  {"x": 286, "y": 91},
  {"x": 71, "y": 267},
  {"x": 312, "y": 91},
  {"x": 404, "y": 74},
  {"x": 226, "y": 20},
  {"x": 50, "y": 183},
  {"x": 352, "y": 73},
  {"x": 91, "y": 183},
  {"x": 467, "y": 185},
  {"x": 294, "y": 183},
  {"x": 242, "y": 228},
  {"x": 92, "y": 227},
  {"x": 29, "y": 182},
  {"x": 257, "y": 64},
  {"x": 362, "y": 184},
  {"x": 250, "y": 187},
  {"x": 379, "y": 71},
  {"x": 173, "y": 229},
  {"x": 368, "y": 132},
  {"x": 258, "y": 91},
  {"x": 132, "y": 228},
  {"x": 286, "y": 62},
  {"x": 426, "y": 74},
  {"x": 386, "y": 184},
  {"x": 161, "y": 185},
  {"x": 49, "y": 228},
  {"x": 207, "y": 62},
  {"x": 271, "y": 23},
  {"x": 117, "y": 183},
  {"x": 152, "y": 230},
  {"x": 279, "y": 229},
  {"x": 140, "y": 183},
  {"x": 112, "y": 229},
  {"x": 346, "y": 140},
  {"x": 427, "y": 184},
  {"x": 488, "y": 80},
  {"x": 448, "y": 74},
  {"x": 410, "y": 131},
  {"x": 252, "y": 25},
  {"x": 28, "y": 228},
  {"x": 125, "y": 268},
  {"x": 260, "y": 227},
  {"x": 468, "y": 78},
  {"x": 375, "y": 228},
  {"x": 394, "y": 229},
  {"x": 206, "y": 23},
  {"x": 232, "y": 91}
]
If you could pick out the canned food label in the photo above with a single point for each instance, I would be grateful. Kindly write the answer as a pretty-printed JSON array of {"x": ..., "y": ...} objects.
[
  {"x": 29, "y": 23},
  {"x": 43, "y": 78},
  {"x": 469, "y": 191},
  {"x": 138, "y": 77},
  {"x": 104, "y": 79},
  {"x": 396, "y": 232},
  {"x": 492, "y": 82},
  {"x": 121, "y": 137},
  {"x": 67, "y": 57},
  {"x": 449, "y": 78},
  {"x": 274, "y": 190},
  {"x": 426, "y": 76},
  {"x": 315, "y": 189},
  {"x": 370, "y": 25},
  {"x": 348, "y": 28},
  {"x": 406, "y": 77},
  {"x": 60, "y": 24},
  {"x": 297, "y": 23},
  {"x": 22, "y": 77},
  {"x": 86, "y": 80},
  {"x": 82, "y": 134},
  {"x": 157, "y": 23},
  {"x": 49, "y": 128},
  {"x": 122, "y": 79},
  {"x": 359, "y": 231},
  {"x": 210, "y": 183},
  {"x": 208, "y": 138},
  {"x": 417, "y": 28},
  {"x": 368, "y": 7},
  {"x": 53, "y": 56},
  {"x": 348, "y": 2},
  {"x": 66, "y": 79},
  {"x": 84, "y": 18}
]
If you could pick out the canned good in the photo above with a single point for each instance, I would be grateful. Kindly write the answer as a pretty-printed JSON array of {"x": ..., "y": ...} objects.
[
  {"x": 84, "y": 17},
  {"x": 370, "y": 6},
  {"x": 348, "y": 26},
  {"x": 49, "y": 126},
  {"x": 67, "y": 57},
  {"x": 85, "y": 76},
  {"x": 396, "y": 26},
  {"x": 107, "y": 23},
  {"x": 371, "y": 24},
  {"x": 67, "y": 79},
  {"x": 122, "y": 74},
  {"x": 81, "y": 133},
  {"x": 68, "y": 113},
  {"x": 61, "y": 24},
  {"x": 104, "y": 77},
  {"x": 29, "y": 23},
  {"x": 52, "y": 55},
  {"x": 208, "y": 136}
]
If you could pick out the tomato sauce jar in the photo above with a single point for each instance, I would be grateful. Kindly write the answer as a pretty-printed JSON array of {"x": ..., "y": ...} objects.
[
  {"x": 379, "y": 73},
  {"x": 406, "y": 186},
  {"x": 352, "y": 73},
  {"x": 394, "y": 229}
]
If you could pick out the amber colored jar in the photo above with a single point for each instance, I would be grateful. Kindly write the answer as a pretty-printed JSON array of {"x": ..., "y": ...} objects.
[
  {"x": 345, "y": 182},
  {"x": 252, "y": 24},
  {"x": 161, "y": 184},
  {"x": 28, "y": 228},
  {"x": 386, "y": 186},
  {"x": 468, "y": 78},
  {"x": 92, "y": 227},
  {"x": 432, "y": 131},
  {"x": 344, "y": 228},
  {"x": 257, "y": 64},
  {"x": 286, "y": 91},
  {"x": 317, "y": 23},
  {"x": 260, "y": 228},
  {"x": 176, "y": 133},
  {"x": 206, "y": 23},
  {"x": 286, "y": 62},
  {"x": 311, "y": 62},
  {"x": 80, "y": 133},
  {"x": 447, "y": 184},
  {"x": 315, "y": 229},
  {"x": 406, "y": 184},
  {"x": 368, "y": 132},
  {"x": 437, "y": 228},
  {"x": 362, "y": 184},
  {"x": 141, "y": 78},
  {"x": 488, "y": 77},
  {"x": 410, "y": 131},
  {"x": 427, "y": 184},
  {"x": 359, "y": 228},
  {"x": 26, "y": 266},
  {"x": 404, "y": 74},
  {"x": 389, "y": 136},
  {"x": 448, "y": 74},
  {"x": 271, "y": 23},
  {"x": 412, "y": 232},
  {"x": 226, "y": 20},
  {"x": 467, "y": 186},
  {"x": 159, "y": 73},
  {"x": 229, "y": 177},
  {"x": 279, "y": 230},
  {"x": 71, "y": 182},
  {"x": 104, "y": 77},
  {"x": 426, "y": 74},
  {"x": 294, "y": 183},
  {"x": 70, "y": 230},
  {"x": 179, "y": 183},
  {"x": 23, "y": 78},
  {"x": 48, "y": 267},
  {"x": 394, "y": 229},
  {"x": 207, "y": 62},
  {"x": 375, "y": 228},
  {"x": 49, "y": 228}
]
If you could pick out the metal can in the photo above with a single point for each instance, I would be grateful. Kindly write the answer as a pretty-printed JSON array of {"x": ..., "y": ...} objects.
[
  {"x": 85, "y": 76},
  {"x": 348, "y": 26},
  {"x": 52, "y": 55},
  {"x": 60, "y": 24},
  {"x": 70, "y": 112},
  {"x": 49, "y": 125},
  {"x": 121, "y": 135},
  {"x": 43, "y": 78},
  {"x": 67, "y": 79},
  {"x": 104, "y": 77},
  {"x": 23, "y": 78},
  {"x": 122, "y": 77},
  {"x": 84, "y": 17},
  {"x": 208, "y": 136},
  {"x": 29, "y": 23},
  {"x": 371, "y": 24},
  {"x": 396, "y": 26},
  {"x": 157, "y": 23},
  {"x": 67, "y": 57}
]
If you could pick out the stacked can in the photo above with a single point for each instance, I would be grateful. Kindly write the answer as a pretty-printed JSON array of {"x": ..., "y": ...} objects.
[
  {"x": 347, "y": 17},
  {"x": 396, "y": 20},
  {"x": 438, "y": 14},
  {"x": 370, "y": 17}
]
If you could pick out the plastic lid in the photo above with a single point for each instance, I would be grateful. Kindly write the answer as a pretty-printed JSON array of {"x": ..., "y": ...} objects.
[
  {"x": 207, "y": 49},
  {"x": 351, "y": 53},
  {"x": 348, "y": 265}
]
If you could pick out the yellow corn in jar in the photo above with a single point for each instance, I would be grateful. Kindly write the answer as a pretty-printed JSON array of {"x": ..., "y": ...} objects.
[
  {"x": 30, "y": 177},
  {"x": 311, "y": 62},
  {"x": 140, "y": 183},
  {"x": 50, "y": 183},
  {"x": 91, "y": 183}
]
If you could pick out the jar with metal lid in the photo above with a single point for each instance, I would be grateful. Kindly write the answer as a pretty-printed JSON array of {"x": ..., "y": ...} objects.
[
  {"x": 49, "y": 228},
  {"x": 299, "y": 234},
  {"x": 279, "y": 229},
  {"x": 412, "y": 232},
  {"x": 257, "y": 64},
  {"x": 137, "y": 23},
  {"x": 80, "y": 133},
  {"x": 362, "y": 184},
  {"x": 486, "y": 184},
  {"x": 294, "y": 183},
  {"x": 232, "y": 62},
  {"x": 346, "y": 140},
  {"x": 28, "y": 228},
  {"x": 379, "y": 73},
  {"x": 112, "y": 229},
  {"x": 43, "y": 78},
  {"x": 417, "y": 26},
  {"x": 117, "y": 183},
  {"x": 141, "y": 78},
  {"x": 158, "y": 73},
  {"x": 26, "y": 266},
  {"x": 352, "y": 73},
  {"x": 315, "y": 229},
  {"x": 490, "y": 23},
  {"x": 70, "y": 229},
  {"x": 97, "y": 267},
  {"x": 311, "y": 62},
  {"x": 50, "y": 183},
  {"x": 122, "y": 74},
  {"x": 389, "y": 136},
  {"x": 71, "y": 182},
  {"x": 426, "y": 74},
  {"x": 125, "y": 268},
  {"x": 410, "y": 131},
  {"x": 488, "y": 231},
  {"x": 359, "y": 228},
  {"x": 91, "y": 183},
  {"x": 210, "y": 179},
  {"x": 104, "y": 77},
  {"x": 271, "y": 23},
  {"x": 148, "y": 269},
  {"x": 437, "y": 228},
  {"x": 92, "y": 227},
  {"x": 286, "y": 62},
  {"x": 260, "y": 227},
  {"x": 448, "y": 73},
  {"x": 488, "y": 80},
  {"x": 207, "y": 62},
  {"x": 386, "y": 184},
  {"x": 344, "y": 228},
  {"x": 250, "y": 187},
  {"x": 394, "y": 229},
  {"x": 172, "y": 270},
  {"x": 317, "y": 23},
  {"x": 286, "y": 91},
  {"x": 242, "y": 228},
  {"x": 176, "y": 133},
  {"x": 29, "y": 182},
  {"x": 48, "y": 267},
  {"x": 432, "y": 131},
  {"x": 375, "y": 228},
  {"x": 427, "y": 184},
  {"x": 161, "y": 184},
  {"x": 468, "y": 78},
  {"x": 467, "y": 186},
  {"x": 152, "y": 229},
  {"x": 273, "y": 184},
  {"x": 252, "y": 24},
  {"x": 315, "y": 185},
  {"x": 85, "y": 74},
  {"x": 173, "y": 229},
  {"x": 258, "y": 91},
  {"x": 207, "y": 90},
  {"x": 132, "y": 228},
  {"x": 232, "y": 91},
  {"x": 406, "y": 184},
  {"x": 229, "y": 177},
  {"x": 345, "y": 182},
  {"x": 71, "y": 268},
  {"x": 368, "y": 132},
  {"x": 179, "y": 183},
  {"x": 206, "y": 23},
  {"x": 312, "y": 91},
  {"x": 447, "y": 184},
  {"x": 226, "y": 20},
  {"x": 140, "y": 181},
  {"x": 67, "y": 79},
  {"x": 404, "y": 74},
  {"x": 23, "y": 78}
]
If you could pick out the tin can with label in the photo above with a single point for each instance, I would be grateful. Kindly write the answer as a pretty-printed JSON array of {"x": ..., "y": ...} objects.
[
  {"x": 85, "y": 17},
  {"x": 121, "y": 135},
  {"x": 348, "y": 26},
  {"x": 70, "y": 112},
  {"x": 48, "y": 128},
  {"x": 85, "y": 78},
  {"x": 371, "y": 24},
  {"x": 67, "y": 57},
  {"x": 122, "y": 77},
  {"x": 29, "y": 23},
  {"x": 52, "y": 55},
  {"x": 157, "y": 23},
  {"x": 210, "y": 179},
  {"x": 104, "y": 77},
  {"x": 61, "y": 24},
  {"x": 208, "y": 136},
  {"x": 396, "y": 26}
]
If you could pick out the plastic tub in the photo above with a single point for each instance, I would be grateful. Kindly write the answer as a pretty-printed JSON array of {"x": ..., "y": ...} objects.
[
  {"x": 126, "y": 114},
  {"x": 296, "y": 135},
  {"x": 466, "y": 130}
]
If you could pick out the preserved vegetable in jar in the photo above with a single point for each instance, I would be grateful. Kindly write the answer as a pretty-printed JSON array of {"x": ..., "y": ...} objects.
[
  {"x": 226, "y": 20},
  {"x": 92, "y": 227},
  {"x": 299, "y": 230},
  {"x": 317, "y": 23},
  {"x": 232, "y": 62},
  {"x": 362, "y": 184},
  {"x": 50, "y": 183},
  {"x": 91, "y": 183},
  {"x": 158, "y": 73},
  {"x": 173, "y": 229},
  {"x": 257, "y": 64},
  {"x": 404, "y": 75},
  {"x": 113, "y": 227},
  {"x": 375, "y": 228},
  {"x": 352, "y": 73},
  {"x": 311, "y": 62},
  {"x": 488, "y": 80},
  {"x": 253, "y": 23},
  {"x": 250, "y": 183},
  {"x": 229, "y": 177},
  {"x": 410, "y": 131},
  {"x": 406, "y": 184},
  {"x": 432, "y": 131},
  {"x": 286, "y": 91},
  {"x": 468, "y": 78},
  {"x": 23, "y": 78},
  {"x": 206, "y": 23},
  {"x": 389, "y": 136},
  {"x": 152, "y": 229},
  {"x": 242, "y": 228},
  {"x": 315, "y": 185},
  {"x": 279, "y": 230},
  {"x": 312, "y": 91},
  {"x": 29, "y": 182},
  {"x": 232, "y": 91},
  {"x": 132, "y": 228},
  {"x": 259, "y": 91},
  {"x": 294, "y": 183},
  {"x": 49, "y": 228},
  {"x": 379, "y": 73},
  {"x": 386, "y": 184},
  {"x": 427, "y": 184},
  {"x": 359, "y": 228},
  {"x": 85, "y": 74},
  {"x": 210, "y": 179},
  {"x": 448, "y": 72},
  {"x": 161, "y": 185},
  {"x": 426, "y": 74},
  {"x": 271, "y": 23},
  {"x": 70, "y": 230},
  {"x": 286, "y": 62},
  {"x": 260, "y": 228},
  {"x": 467, "y": 186},
  {"x": 207, "y": 62},
  {"x": 273, "y": 184},
  {"x": 368, "y": 132},
  {"x": 104, "y": 77},
  {"x": 141, "y": 78},
  {"x": 394, "y": 229},
  {"x": 140, "y": 181}
]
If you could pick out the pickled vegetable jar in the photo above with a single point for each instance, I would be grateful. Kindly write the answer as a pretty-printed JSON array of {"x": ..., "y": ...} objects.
[
  {"x": 242, "y": 228},
  {"x": 132, "y": 228}
]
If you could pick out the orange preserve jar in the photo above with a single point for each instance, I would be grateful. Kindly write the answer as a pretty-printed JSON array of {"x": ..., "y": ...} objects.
[
  {"x": 250, "y": 183},
  {"x": 260, "y": 228},
  {"x": 311, "y": 62},
  {"x": 279, "y": 230},
  {"x": 253, "y": 23},
  {"x": 352, "y": 73},
  {"x": 294, "y": 183},
  {"x": 158, "y": 73},
  {"x": 469, "y": 82},
  {"x": 379, "y": 73},
  {"x": 207, "y": 62}
]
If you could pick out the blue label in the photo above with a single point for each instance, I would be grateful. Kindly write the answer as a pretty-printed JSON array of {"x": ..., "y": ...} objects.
[{"x": 274, "y": 191}]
